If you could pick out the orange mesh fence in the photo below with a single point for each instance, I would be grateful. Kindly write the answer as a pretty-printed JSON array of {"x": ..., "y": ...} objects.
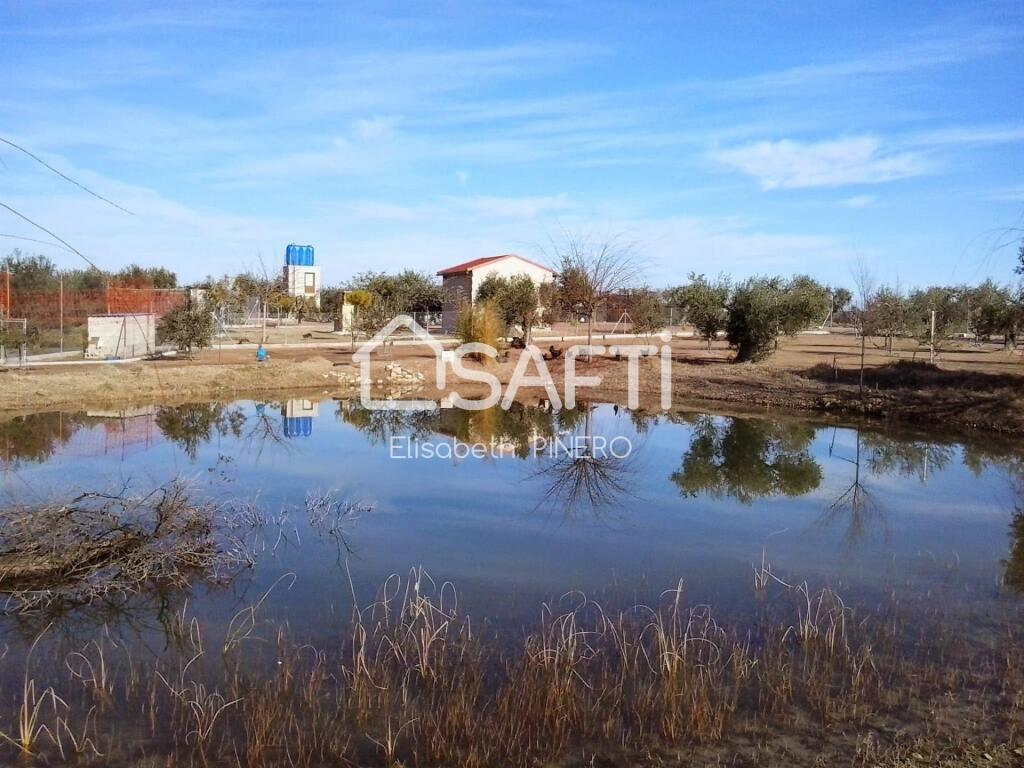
[
  {"x": 51, "y": 309},
  {"x": 153, "y": 301}
]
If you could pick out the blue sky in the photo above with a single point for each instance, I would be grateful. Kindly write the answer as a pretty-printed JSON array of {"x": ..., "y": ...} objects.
[{"x": 755, "y": 138}]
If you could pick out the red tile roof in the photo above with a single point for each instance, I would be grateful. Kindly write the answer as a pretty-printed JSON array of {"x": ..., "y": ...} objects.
[{"x": 469, "y": 266}]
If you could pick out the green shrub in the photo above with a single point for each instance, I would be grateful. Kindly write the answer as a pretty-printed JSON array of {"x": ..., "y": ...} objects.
[{"x": 186, "y": 327}]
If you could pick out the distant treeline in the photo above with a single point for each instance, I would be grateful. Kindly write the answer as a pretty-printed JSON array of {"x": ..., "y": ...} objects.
[
  {"x": 751, "y": 314},
  {"x": 39, "y": 273}
]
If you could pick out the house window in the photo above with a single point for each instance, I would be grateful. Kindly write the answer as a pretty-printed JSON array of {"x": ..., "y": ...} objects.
[{"x": 310, "y": 282}]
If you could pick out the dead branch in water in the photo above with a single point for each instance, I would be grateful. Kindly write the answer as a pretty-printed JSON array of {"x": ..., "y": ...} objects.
[{"x": 100, "y": 544}]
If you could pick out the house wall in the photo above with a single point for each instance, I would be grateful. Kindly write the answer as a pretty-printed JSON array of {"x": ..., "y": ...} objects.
[
  {"x": 457, "y": 289},
  {"x": 303, "y": 281},
  {"x": 510, "y": 268},
  {"x": 120, "y": 335}
]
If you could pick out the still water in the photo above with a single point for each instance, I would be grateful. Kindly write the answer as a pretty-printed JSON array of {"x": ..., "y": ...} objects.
[{"x": 699, "y": 497}]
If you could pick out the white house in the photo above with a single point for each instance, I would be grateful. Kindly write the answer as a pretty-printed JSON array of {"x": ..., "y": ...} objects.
[{"x": 461, "y": 282}]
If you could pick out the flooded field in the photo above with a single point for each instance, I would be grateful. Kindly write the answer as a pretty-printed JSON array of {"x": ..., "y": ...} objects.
[{"x": 237, "y": 583}]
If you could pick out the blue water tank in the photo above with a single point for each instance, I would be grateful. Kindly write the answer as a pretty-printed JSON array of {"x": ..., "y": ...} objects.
[{"x": 298, "y": 255}]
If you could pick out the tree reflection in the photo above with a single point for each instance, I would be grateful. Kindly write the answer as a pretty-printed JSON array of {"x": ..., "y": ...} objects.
[
  {"x": 517, "y": 429},
  {"x": 907, "y": 458},
  {"x": 579, "y": 474},
  {"x": 1013, "y": 566},
  {"x": 190, "y": 426},
  {"x": 748, "y": 459},
  {"x": 36, "y": 437},
  {"x": 1013, "y": 575},
  {"x": 380, "y": 425},
  {"x": 856, "y": 504}
]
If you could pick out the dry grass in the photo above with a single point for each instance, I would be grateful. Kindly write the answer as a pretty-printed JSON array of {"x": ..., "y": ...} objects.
[{"x": 415, "y": 682}]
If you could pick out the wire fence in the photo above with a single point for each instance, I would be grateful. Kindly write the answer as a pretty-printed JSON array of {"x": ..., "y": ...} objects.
[
  {"x": 57, "y": 320},
  {"x": 41, "y": 322}
]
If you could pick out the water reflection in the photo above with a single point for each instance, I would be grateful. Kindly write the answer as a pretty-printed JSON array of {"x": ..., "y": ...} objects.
[
  {"x": 298, "y": 416},
  {"x": 747, "y": 459},
  {"x": 190, "y": 426},
  {"x": 477, "y": 521},
  {"x": 906, "y": 458},
  {"x": 1013, "y": 566},
  {"x": 856, "y": 506},
  {"x": 36, "y": 437},
  {"x": 379, "y": 426},
  {"x": 573, "y": 474},
  {"x": 580, "y": 475}
]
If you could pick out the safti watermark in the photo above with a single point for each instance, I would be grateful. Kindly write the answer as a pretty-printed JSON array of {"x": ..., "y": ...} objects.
[
  {"x": 597, "y": 447},
  {"x": 530, "y": 357}
]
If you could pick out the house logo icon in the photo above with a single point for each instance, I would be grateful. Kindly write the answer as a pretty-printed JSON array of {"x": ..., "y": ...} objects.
[{"x": 362, "y": 356}]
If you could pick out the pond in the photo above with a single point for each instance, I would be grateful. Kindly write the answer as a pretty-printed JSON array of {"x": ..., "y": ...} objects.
[{"x": 517, "y": 509}]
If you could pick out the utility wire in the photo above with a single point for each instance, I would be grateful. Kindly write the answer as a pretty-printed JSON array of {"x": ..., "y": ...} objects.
[
  {"x": 34, "y": 240},
  {"x": 64, "y": 176},
  {"x": 51, "y": 234}
]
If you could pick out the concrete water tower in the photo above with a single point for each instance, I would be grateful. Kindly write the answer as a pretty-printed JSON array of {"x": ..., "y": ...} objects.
[{"x": 301, "y": 274}]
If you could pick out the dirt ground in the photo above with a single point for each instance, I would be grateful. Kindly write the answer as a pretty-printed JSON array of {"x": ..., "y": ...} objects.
[{"x": 972, "y": 386}]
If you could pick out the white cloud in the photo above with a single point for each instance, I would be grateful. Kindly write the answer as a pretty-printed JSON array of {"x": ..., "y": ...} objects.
[
  {"x": 789, "y": 164},
  {"x": 858, "y": 201},
  {"x": 900, "y": 59},
  {"x": 977, "y": 135}
]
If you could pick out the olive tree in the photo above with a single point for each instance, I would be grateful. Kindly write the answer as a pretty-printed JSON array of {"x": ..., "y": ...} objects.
[
  {"x": 949, "y": 308},
  {"x": 992, "y": 312},
  {"x": 516, "y": 299},
  {"x": 188, "y": 327},
  {"x": 406, "y": 292},
  {"x": 704, "y": 304},
  {"x": 886, "y": 315},
  {"x": 761, "y": 309},
  {"x": 646, "y": 311}
]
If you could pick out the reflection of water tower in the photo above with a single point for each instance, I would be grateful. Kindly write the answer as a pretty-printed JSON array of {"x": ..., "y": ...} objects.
[
  {"x": 298, "y": 417},
  {"x": 301, "y": 275}
]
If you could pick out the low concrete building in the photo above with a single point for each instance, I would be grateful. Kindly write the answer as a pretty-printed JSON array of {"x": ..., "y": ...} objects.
[
  {"x": 120, "y": 336},
  {"x": 461, "y": 282}
]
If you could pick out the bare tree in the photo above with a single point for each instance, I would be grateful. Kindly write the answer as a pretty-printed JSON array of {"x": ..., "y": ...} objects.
[
  {"x": 866, "y": 284},
  {"x": 589, "y": 271}
]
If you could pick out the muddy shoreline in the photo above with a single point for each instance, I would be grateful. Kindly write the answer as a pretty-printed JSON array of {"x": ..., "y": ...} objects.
[{"x": 984, "y": 403}]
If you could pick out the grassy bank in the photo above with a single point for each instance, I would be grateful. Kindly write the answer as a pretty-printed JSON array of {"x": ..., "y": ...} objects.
[{"x": 957, "y": 395}]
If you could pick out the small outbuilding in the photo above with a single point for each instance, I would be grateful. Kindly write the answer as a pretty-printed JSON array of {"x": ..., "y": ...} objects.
[
  {"x": 120, "y": 336},
  {"x": 461, "y": 282}
]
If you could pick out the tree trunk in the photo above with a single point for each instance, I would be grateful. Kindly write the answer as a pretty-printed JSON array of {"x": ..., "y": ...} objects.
[
  {"x": 863, "y": 345},
  {"x": 590, "y": 334}
]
